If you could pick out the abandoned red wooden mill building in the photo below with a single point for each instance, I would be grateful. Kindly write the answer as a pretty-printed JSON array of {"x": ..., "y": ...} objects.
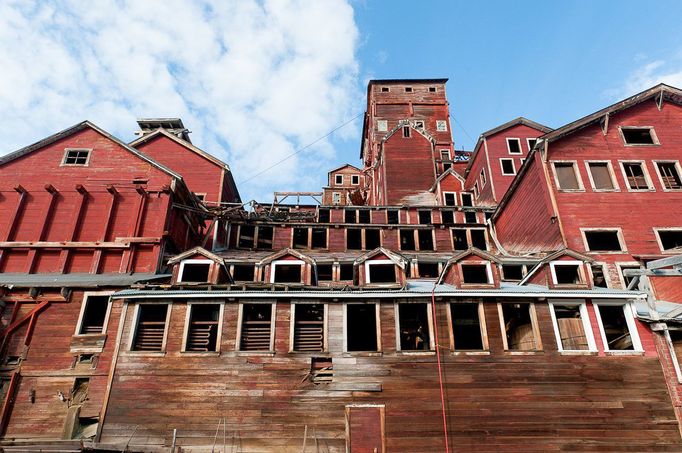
[{"x": 525, "y": 296}]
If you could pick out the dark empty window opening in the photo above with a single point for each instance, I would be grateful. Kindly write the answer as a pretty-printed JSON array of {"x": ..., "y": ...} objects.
[
  {"x": 243, "y": 272},
  {"x": 325, "y": 272},
  {"x": 385, "y": 89},
  {"x": 202, "y": 335},
  {"x": 571, "y": 328},
  {"x": 419, "y": 124},
  {"x": 669, "y": 175},
  {"x": 364, "y": 216},
  {"x": 603, "y": 241},
  {"x": 288, "y": 273},
  {"x": 406, "y": 131},
  {"x": 466, "y": 327},
  {"x": 470, "y": 217},
  {"x": 638, "y": 136},
  {"x": 670, "y": 239},
  {"x": 478, "y": 239},
  {"x": 634, "y": 172},
  {"x": 425, "y": 239},
  {"x": 676, "y": 338},
  {"x": 323, "y": 216},
  {"x": 598, "y": 277},
  {"x": 353, "y": 239},
  {"x": 246, "y": 236},
  {"x": 467, "y": 199},
  {"x": 200, "y": 196},
  {"x": 350, "y": 216},
  {"x": 355, "y": 180},
  {"x": 76, "y": 157},
  {"x": 408, "y": 89},
  {"x": 361, "y": 327},
  {"x": 566, "y": 176},
  {"x": 414, "y": 327},
  {"x": 321, "y": 370},
  {"x": 601, "y": 175},
  {"x": 94, "y": 314},
  {"x": 450, "y": 199},
  {"x": 567, "y": 274},
  {"x": 309, "y": 327},
  {"x": 338, "y": 180},
  {"x": 531, "y": 143},
  {"x": 424, "y": 217},
  {"x": 300, "y": 238},
  {"x": 407, "y": 240},
  {"x": 195, "y": 272},
  {"x": 372, "y": 239},
  {"x": 382, "y": 273},
  {"x": 518, "y": 327},
  {"x": 87, "y": 359},
  {"x": 392, "y": 217},
  {"x": 432, "y": 89},
  {"x": 256, "y": 327},
  {"x": 512, "y": 272},
  {"x": 346, "y": 272},
  {"x": 151, "y": 325},
  {"x": 488, "y": 215},
  {"x": 475, "y": 274},
  {"x": 428, "y": 270},
  {"x": 319, "y": 238},
  {"x": 265, "y": 234},
  {"x": 616, "y": 328},
  {"x": 447, "y": 217},
  {"x": 459, "y": 239},
  {"x": 507, "y": 166},
  {"x": 514, "y": 145},
  {"x": 627, "y": 279}
]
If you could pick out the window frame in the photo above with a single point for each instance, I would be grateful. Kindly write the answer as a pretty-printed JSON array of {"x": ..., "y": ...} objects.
[
  {"x": 576, "y": 171},
  {"x": 441, "y": 126},
  {"x": 482, "y": 326},
  {"x": 488, "y": 273},
  {"x": 660, "y": 242},
  {"x": 240, "y": 320},
  {"x": 645, "y": 171},
  {"x": 86, "y": 296},
  {"x": 415, "y": 233},
  {"x": 377, "y": 320},
  {"x": 338, "y": 176},
  {"x": 66, "y": 153},
  {"x": 462, "y": 194},
  {"x": 528, "y": 140},
  {"x": 584, "y": 317},
  {"x": 482, "y": 177},
  {"x": 273, "y": 266},
  {"x": 336, "y": 198},
  {"x": 309, "y": 242},
  {"x": 369, "y": 263},
  {"x": 325, "y": 326},
  {"x": 468, "y": 236},
  {"x": 509, "y": 151},
  {"x": 188, "y": 316},
  {"x": 612, "y": 174},
  {"x": 355, "y": 178},
  {"x": 676, "y": 164},
  {"x": 454, "y": 194},
  {"x": 651, "y": 129},
  {"x": 256, "y": 237},
  {"x": 135, "y": 325},
  {"x": 627, "y": 264},
  {"x": 382, "y": 125},
  {"x": 443, "y": 152},
  {"x": 534, "y": 326},
  {"x": 419, "y": 124},
  {"x": 619, "y": 231},
  {"x": 629, "y": 320},
  {"x": 605, "y": 272},
  {"x": 429, "y": 322},
  {"x": 581, "y": 272},
  {"x": 508, "y": 159},
  {"x": 181, "y": 269}
]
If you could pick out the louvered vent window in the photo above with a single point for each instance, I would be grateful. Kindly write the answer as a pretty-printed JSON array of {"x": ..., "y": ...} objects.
[
  {"x": 256, "y": 327},
  {"x": 202, "y": 335},
  {"x": 94, "y": 315},
  {"x": 309, "y": 328},
  {"x": 151, "y": 325}
]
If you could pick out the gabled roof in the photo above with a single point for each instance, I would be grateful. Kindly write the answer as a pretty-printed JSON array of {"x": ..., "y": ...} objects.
[
  {"x": 285, "y": 252},
  {"x": 403, "y": 123},
  {"x": 196, "y": 251},
  {"x": 552, "y": 257},
  {"x": 449, "y": 171},
  {"x": 463, "y": 254},
  {"x": 659, "y": 92},
  {"x": 344, "y": 166},
  {"x": 393, "y": 256},
  {"x": 162, "y": 132},
  {"x": 77, "y": 128}
]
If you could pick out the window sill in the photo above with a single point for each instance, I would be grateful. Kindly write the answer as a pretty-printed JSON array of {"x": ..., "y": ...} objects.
[
  {"x": 605, "y": 190},
  {"x": 631, "y": 353},
  {"x": 363, "y": 354},
  {"x": 145, "y": 353},
  {"x": 417, "y": 353},
  {"x": 641, "y": 190},
  {"x": 255, "y": 353},
  {"x": 200, "y": 354},
  {"x": 524, "y": 352},
  {"x": 470, "y": 353},
  {"x": 579, "y": 352},
  {"x": 571, "y": 190}
]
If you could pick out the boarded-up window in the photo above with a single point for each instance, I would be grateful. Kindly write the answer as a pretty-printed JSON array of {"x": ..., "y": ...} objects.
[
  {"x": 382, "y": 273},
  {"x": 601, "y": 175},
  {"x": 634, "y": 172},
  {"x": 603, "y": 241},
  {"x": 151, "y": 325},
  {"x": 571, "y": 327},
  {"x": 361, "y": 327},
  {"x": 616, "y": 330},
  {"x": 670, "y": 239},
  {"x": 566, "y": 176},
  {"x": 94, "y": 314},
  {"x": 414, "y": 327},
  {"x": 518, "y": 327},
  {"x": 256, "y": 327},
  {"x": 309, "y": 327},
  {"x": 202, "y": 334},
  {"x": 669, "y": 175},
  {"x": 466, "y": 327}
]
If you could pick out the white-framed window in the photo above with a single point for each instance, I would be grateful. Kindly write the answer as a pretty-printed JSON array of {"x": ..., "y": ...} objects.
[
  {"x": 617, "y": 326},
  {"x": 76, "y": 156},
  {"x": 287, "y": 271},
  {"x": 467, "y": 199},
  {"x": 200, "y": 196},
  {"x": 385, "y": 89},
  {"x": 638, "y": 135},
  {"x": 418, "y": 124},
  {"x": 203, "y": 322},
  {"x": 476, "y": 273},
  {"x": 636, "y": 176},
  {"x": 256, "y": 326},
  {"x": 336, "y": 198},
  {"x": 338, "y": 180},
  {"x": 361, "y": 327},
  {"x": 468, "y": 331},
  {"x": 669, "y": 175},
  {"x": 308, "y": 327},
  {"x": 567, "y": 176},
  {"x": 523, "y": 160},
  {"x": 408, "y": 90},
  {"x": 519, "y": 325},
  {"x": 450, "y": 198},
  {"x": 567, "y": 272},
  {"x": 531, "y": 143},
  {"x": 669, "y": 239},
  {"x": 441, "y": 126},
  {"x": 482, "y": 178},
  {"x": 382, "y": 125},
  {"x": 507, "y": 166},
  {"x": 445, "y": 154},
  {"x": 355, "y": 180},
  {"x": 601, "y": 175},
  {"x": 94, "y": 314},
  {"x": 476, "y": 191},
  {"x": 603, "y": 240},
  {"x": 380, "y": 271},
  {"x": 432, "y": 89},
  {"x": 463, "y": 238},
  {"x": 514, "y": 145},
  {"x": 622, "y": 267},
  {"x": 194, "y": 271},
  {"x": 414, "y": 327},
  {"x": 572, "y": 327},
  {"x": 150, "y": 330}
]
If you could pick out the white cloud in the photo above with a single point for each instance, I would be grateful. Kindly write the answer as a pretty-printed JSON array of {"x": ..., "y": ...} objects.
[
  {"x": 253, "y": 80},
  {"x": 650, "y": 74}
]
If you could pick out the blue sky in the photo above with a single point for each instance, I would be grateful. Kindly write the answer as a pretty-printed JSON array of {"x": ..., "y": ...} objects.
[{"x": 258, "y": 80}]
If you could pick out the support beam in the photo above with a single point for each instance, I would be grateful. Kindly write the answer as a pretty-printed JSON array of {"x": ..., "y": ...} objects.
[
  {"x": 46, "y": 218},
  {"x": 18, "y": 209},
  {"x": 76, "y": 218},
  {"x": 135, "y": 230},
  {"x": 97, "y": 256}
]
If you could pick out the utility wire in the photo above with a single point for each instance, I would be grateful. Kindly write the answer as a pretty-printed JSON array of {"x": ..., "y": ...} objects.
[
  {"x": 462, "y": 127},
  {"x": 302, "y": 149}
]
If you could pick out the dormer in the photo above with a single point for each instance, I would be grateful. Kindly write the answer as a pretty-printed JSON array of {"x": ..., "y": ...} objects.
[
  {"x": 197, "y": 266},
  {"x": 563, "y": 269},
  {"x": 472, "y": 268},
  {"x": 287, "y": 266},
  {"x": 381, "y": 267}
]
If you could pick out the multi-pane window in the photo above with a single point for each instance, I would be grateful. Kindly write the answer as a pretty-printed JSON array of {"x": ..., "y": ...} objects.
[
  {"x": 256, "y": 327},
  {"x": 600, "y": 175},
  {"x": 363, "y": 238},
  {"x": 416, "y": 239},
  {"x": 382, "y": 125},
  {"x": 467, "y": 329},
  {"x": 150, "y": 328},
  {"x": 463, "y": 238},
  {"x": 309, "y": 238},
  {"x": 94, "y": 314},
  {"x": 255, "y": 237},
  {"x": 76, "y": 156},
  {"x": 413, "y": 327},
  {"x": 566, "y": 176},
  {"x": 635, "y": 175},
  {"x": 670, "y": 176},
  {"x": 441, "y": 126},
  {"x": 361, "y": 327},
  {"x": 203, "y": 328},
  {"x": 308, "y": 327}
]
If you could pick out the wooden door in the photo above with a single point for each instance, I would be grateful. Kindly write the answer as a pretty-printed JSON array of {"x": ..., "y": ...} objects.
[{"x": 365, "y": 428}]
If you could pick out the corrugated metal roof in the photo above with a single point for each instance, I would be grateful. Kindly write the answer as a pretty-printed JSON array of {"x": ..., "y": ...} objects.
[{"x": 76, "y": 280}]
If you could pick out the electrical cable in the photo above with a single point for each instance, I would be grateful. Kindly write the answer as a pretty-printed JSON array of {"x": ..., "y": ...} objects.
[{"x": 440, "y": 368}]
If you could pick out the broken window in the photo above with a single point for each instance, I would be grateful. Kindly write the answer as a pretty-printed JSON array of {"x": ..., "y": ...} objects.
[
  {"x": 507, "y": 166},
  {"x": 325, "y": 272},
  {"x": 445, "y": 154},
  {"x": 512, "y": 272},
  {"x": 338, "y": 179},
  {"x": 300, "y": 238},
  {"x": 566, "y": 176},
  {"x": 256, "y": 327},
  {"x": 424, "y": 217},
  {"x": 603, "y": 241},
  {"x": 670, "y": 239},
  {"x": 670, "y": 177},
  {"x": 634, "y": 173},
  {"x": 288, "y": 273},
  {"x": 450, "y": 198},
  {"x": 441, "y": 126},
  {"x": 406, "y": 131},
  {"x": 639, "y": 136},
  {"x": 475, "y": 274},
  {"x": 194, "y": 272},
  {"x": 243, "y": 272},
  {"x": 467, "y": 334},
  {"x": 483, "y": 179},
  {"x": 425, "y": 239},
  {"x": 392, "y": 217},
  {"x": 247, "y": 233},
  {"x": 323, "y": 215},
  {"x": 346, "y": 272},
  {"x": 571, "y": 327},
  {"x": 202, "y": 334},
  {"x": 353, "y": 239},
  {"x": 601, "y": 176},
  {"x": 382, "y": 125},
  {"x": 364, "y": 216},
  {"x": 361, "y": 327},
  {"x": 514, "y": 146},
  {"x": 94, "y": 315},
  {"x": 336, "y": 198},
  {"x": 76, "y": 156},
  {"x": 151, "y": 327},
  {"x": 627, "y": 279},
  {"x": 419, "y": 124},
  {"x": 413, "y": 324},
  {"x": 265, "y": 234},
  {"x": 321, "y": 370},
  {"x": 567, "y": 274},
  {"x": 355, "y": 180},
  {"x": 308, "y": 327},
  {"x": 318, "y": 238},
  {"x": 531, "y": 143},
  {"x": 518, "y": 332},
  {"x": 447, "y": 217},
  {"x": 478, "y": 239},
  {"x": 428, "y": 270},
  {"x": 470, "y": 217},
  {"x": 598, "y": 277},
  {"x": 407, "y": 240},
  {"x": 467, "y": 199},
  {"x": 615, "y": 328},
  {"x": 350, "y": 215},
  {"x": 381, "y": 273},
  {"x": 372, "y": 239}
]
